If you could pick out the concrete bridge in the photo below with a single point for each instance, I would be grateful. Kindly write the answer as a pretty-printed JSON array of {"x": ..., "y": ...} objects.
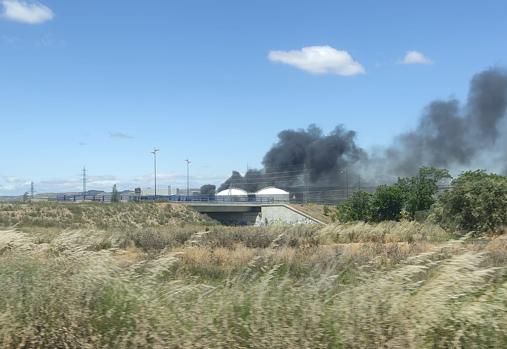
[{"x": 253, "y": 213}]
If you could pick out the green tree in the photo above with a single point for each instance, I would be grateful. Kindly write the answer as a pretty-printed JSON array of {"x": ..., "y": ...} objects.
[
  {"x": 387, "y": 203},
  {"x": 115, "y": 195},
  {"x": 420, "y": 191},
  {"x": 355, "y": 208},
  {"x": 477, "y": 202},
  {"x": 390, "y": 202},
  {"x": 208, "y": 189}
]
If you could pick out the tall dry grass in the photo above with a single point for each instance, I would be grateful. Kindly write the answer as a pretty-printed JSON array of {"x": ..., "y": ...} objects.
[
  {"x": 408, "y": 231},
  {"x": 97, "y": 215},
  {"x": 397, "y": 285}
]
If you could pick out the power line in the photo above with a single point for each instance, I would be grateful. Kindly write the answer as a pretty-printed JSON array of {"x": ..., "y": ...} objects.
[
  {"x": 273, "y": 175},
  {"x": 283, "y": 170},
  {"x": 264, "y": 180},
  {"x": 287, "y": 174}
]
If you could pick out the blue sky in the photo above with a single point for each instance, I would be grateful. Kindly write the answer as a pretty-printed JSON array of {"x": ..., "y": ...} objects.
[{"x": 102, "y": 82}]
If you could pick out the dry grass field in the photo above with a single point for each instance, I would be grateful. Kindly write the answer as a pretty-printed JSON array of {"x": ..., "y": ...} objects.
[{"x": 161, "y": 276}]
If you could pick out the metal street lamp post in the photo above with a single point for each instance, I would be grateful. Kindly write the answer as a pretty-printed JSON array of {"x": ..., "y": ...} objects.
[
  {"x": 188, "y": 176},
  {"x": 154, "y": 152}
]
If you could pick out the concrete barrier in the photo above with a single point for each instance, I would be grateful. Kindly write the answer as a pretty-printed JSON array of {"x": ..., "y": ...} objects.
[
  {"x": 285, "y": 214},
  {"x": 254, "y": 214}
]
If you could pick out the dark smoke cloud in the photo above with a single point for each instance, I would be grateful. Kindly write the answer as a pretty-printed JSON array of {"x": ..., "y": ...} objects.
[
  {"x": 439, "y": 140},
  {"x": 488, "y": 103},
  {"x": 322, "y": 156},
  {"x": 447, "y": 135},
  {"x": 301, "y": 157},
  {"x": 251, "y": 182}
]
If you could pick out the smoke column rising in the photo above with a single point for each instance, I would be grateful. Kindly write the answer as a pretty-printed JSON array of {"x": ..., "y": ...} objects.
[
  {"x": 302, "y": 156},
  {"x": 321, "y": 156},
  {"x": 450, "y": 136},
  {"x": 447, "y": 135}
]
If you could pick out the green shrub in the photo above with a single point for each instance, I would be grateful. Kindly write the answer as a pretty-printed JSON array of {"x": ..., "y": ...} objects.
[
  {"x": 420, "y": 191},
  {"x": 356, "y": 208},
  {"x": 387, "y": 203},
  {"x": 208, "y": 189},
  {"x": 410, "y": 198},
  {"x": 115, "y": 195},
  {"x": 476, "y": 202}
]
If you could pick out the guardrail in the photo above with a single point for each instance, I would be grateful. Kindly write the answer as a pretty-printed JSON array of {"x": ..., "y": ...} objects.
[
  {"x": 91, "y": 198},
  {"x": 106, "y": 198},
  {"x": 211, "y": 198},
  {"x": 325, "y": 197}
]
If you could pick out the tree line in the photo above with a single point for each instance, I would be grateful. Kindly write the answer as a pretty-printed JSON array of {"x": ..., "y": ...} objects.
[{"x": 475, "y": 201}]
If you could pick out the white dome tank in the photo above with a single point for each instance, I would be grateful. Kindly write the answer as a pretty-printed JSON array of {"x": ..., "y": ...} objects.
[{"x": 232, "y": 192}]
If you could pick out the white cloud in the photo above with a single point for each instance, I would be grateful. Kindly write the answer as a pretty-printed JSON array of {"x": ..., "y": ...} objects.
[
  {"x": 319, "y": 60},
  {"x": 416, "y": 57},
  {"x": 31, "y": 13},
  {"x": 120, "y": 135},
  {"x": 11, "y": 185}
]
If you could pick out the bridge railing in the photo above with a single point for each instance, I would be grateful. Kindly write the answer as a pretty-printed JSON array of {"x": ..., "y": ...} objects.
[
  {"x": 91, "y": 198},
  {"x": 210, "y": 198},
  {"x": 106, "y": 198}
]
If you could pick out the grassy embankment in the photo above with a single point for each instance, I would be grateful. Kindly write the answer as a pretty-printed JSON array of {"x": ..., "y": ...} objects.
[{"x": 78, "y": 276}]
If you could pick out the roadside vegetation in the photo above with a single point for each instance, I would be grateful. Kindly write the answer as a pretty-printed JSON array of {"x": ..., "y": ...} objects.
[
  {"x": 474, "y": 202},
  {"x": 477, "y": 203},
  {"x": 97, "y": 215},
  {"x": 102, "y": 276}
]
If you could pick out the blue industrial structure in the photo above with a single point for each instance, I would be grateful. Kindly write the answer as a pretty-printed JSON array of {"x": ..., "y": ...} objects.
[{"x": 169, "y": 198}]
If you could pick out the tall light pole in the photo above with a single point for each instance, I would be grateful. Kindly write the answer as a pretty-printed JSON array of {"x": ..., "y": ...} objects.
[
  {"x": 84, "y": 182},
  {"x": 154, "y": 152},
  {"x": 188, "y": 176}
]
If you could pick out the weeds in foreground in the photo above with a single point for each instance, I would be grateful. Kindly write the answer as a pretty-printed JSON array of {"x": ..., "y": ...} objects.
[
  {"x": 395, "y": 286},
  {"x": 97, "y": 215}
]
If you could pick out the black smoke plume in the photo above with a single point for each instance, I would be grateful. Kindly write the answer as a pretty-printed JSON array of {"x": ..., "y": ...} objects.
[
  {"x": 447, "y": 135},
  {"x": 451, "y": 136},
  {"x": 321, "y": 157},
  {"x": 302, "y": 157},
  {"x": 251, "y": 182}
]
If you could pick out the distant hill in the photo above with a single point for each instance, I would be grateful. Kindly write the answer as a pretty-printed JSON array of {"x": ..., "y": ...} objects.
[{"x": 10, "y": 198}]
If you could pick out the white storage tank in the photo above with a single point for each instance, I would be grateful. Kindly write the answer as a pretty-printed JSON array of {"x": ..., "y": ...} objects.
[
  {"x": 232, "y": 192},
  {"x": 273, "y": 194}
]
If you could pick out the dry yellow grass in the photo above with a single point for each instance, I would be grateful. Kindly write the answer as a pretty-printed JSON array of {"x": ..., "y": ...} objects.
[
  {"x": 96, "y": 215},
  {"x": 395, "y": 285}
]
